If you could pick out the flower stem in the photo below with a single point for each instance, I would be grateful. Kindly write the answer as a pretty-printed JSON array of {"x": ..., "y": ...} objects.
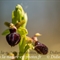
[
  {"x": 20, "y": 57},
  {"x": 26, "y": 57}
]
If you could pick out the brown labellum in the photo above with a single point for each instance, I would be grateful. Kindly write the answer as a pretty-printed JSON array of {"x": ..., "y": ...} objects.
[
  {"x": 13, "y": 38},
  {"x": 41, "y": 48}
]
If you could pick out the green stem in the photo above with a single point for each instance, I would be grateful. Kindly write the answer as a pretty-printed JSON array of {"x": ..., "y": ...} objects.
[
  {"x": 21, "y": 57},
  {"x": 26, "y": 57}
]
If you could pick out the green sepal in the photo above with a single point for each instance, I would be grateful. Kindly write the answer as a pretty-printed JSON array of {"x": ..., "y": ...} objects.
[{"x": 6, "y": 32}]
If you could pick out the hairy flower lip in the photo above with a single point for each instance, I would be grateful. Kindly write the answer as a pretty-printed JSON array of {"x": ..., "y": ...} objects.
[
  {"x": 41, "y": 48},
  {"x": 13, "y": 39}
]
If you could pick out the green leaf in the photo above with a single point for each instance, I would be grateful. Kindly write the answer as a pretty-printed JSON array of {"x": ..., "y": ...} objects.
[{"x": 6, "y": 32}]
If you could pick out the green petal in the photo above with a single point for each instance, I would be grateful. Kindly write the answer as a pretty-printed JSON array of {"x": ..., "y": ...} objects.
[{"x": 6, "y": 32}]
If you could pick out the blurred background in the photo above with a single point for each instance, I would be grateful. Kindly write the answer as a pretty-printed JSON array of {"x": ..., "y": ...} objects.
[{"x": 43, "y": 17}]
